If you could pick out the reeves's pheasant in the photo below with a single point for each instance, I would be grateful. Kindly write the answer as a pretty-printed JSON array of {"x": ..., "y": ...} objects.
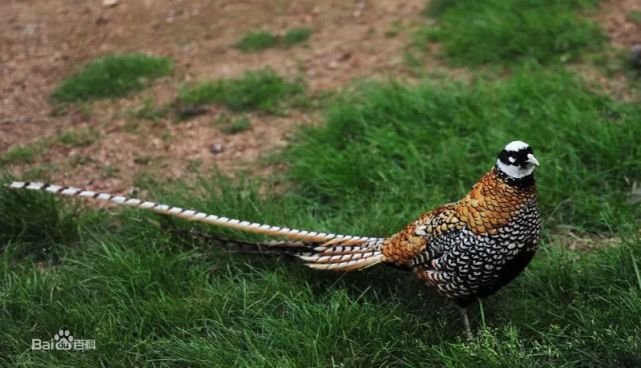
[{"x": 466, "y": 250}]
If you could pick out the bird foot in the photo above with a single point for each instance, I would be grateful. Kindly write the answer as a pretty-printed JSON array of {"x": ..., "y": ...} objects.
[{"x": 466, "y": 323}]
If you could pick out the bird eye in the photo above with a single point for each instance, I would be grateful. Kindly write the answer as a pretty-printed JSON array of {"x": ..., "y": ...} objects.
[{"x": 512, "y": 159}]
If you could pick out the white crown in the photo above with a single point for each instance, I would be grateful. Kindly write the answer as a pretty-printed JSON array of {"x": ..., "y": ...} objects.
[{"x": 516, "y": 146}]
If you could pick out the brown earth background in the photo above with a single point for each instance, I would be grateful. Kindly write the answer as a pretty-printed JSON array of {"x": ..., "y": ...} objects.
[{"x": 43, "y": 42}]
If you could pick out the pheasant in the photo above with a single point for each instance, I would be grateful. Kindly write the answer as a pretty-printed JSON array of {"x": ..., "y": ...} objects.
[{"x": 465, "y": 250}]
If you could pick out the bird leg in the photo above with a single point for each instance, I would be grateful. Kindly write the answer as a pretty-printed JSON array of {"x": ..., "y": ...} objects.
[{"x": 466, "y": 322}]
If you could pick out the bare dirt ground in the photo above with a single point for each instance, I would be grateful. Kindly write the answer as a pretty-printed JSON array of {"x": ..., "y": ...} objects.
[
  {"x": 43, "y": 42},
  {"x": 619, "y": 22}
]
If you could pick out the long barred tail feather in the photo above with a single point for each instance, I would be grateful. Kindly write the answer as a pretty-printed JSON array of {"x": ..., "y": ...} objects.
[
  {"x": 267, "y": 248},
  {"x": 336, "y": 258},
  {"x": 319, "y": 250}
]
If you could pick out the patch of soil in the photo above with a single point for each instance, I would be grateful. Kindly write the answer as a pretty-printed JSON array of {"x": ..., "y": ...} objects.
[
  {"x": 586, "y": 242},
  {"x": 623, "y": 28},
  {"x": 617, "y": 19},
  {"x": 42, "y": 42}
]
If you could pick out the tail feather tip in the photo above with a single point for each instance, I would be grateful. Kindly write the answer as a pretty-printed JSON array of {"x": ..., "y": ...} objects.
[{"x": 18, "y": 184}]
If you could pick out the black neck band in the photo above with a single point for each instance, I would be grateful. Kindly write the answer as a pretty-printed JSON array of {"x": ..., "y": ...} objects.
[{"x": 520, "y": 183}]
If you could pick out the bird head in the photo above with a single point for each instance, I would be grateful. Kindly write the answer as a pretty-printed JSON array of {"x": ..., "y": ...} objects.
[{"x": 517, "y": 160}]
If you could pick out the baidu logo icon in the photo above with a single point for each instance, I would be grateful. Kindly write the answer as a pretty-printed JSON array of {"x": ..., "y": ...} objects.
[{"x": 63, "y": 340}]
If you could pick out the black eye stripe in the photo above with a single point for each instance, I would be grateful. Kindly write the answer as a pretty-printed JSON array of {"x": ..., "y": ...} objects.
[{"x": 520, "y": 156}]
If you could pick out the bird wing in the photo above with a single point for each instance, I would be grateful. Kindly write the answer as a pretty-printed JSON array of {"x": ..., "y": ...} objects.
[{"x": 417, "y": 237}]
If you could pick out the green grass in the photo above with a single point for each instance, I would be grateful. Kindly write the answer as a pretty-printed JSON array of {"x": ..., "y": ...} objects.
[
  {"x": 30, "y": 153},
  {"x": 148, "y": 110},
  {"x": 512, "y": 31},
  {"x": 261, "y": 40},
  {"x": 295, "y": 36},
  {"x": 36, "y": 228},
  {"x": 149, "y": 297},
  {"x": 18, "y": 155},
  {"x": 257, "y": 41},
  {"x": 421, "y": 146},
  {"x": 79, "y": 137},
  {"x": 231, "y": 125},
  {"x": 23, "y": 154},
  {"x": 634, "y": 16},
  {"x": 261, "y": 90},
  {"x": 112, "y": 76}
]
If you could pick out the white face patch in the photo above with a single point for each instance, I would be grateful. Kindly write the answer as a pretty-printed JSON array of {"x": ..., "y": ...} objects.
[
  {"x": 516, "y": 146},
  {"x": 515, "y": 171},
  {"x": 512, "y": 159}
]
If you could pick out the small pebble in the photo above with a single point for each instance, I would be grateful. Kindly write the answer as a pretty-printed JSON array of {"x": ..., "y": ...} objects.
[
  {"x": 216, "y": 148},
  {"x": 109, "y": 3}
]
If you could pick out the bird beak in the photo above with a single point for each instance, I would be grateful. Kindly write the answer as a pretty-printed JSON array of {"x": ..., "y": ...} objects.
[{"x": 531, "y": 159}]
